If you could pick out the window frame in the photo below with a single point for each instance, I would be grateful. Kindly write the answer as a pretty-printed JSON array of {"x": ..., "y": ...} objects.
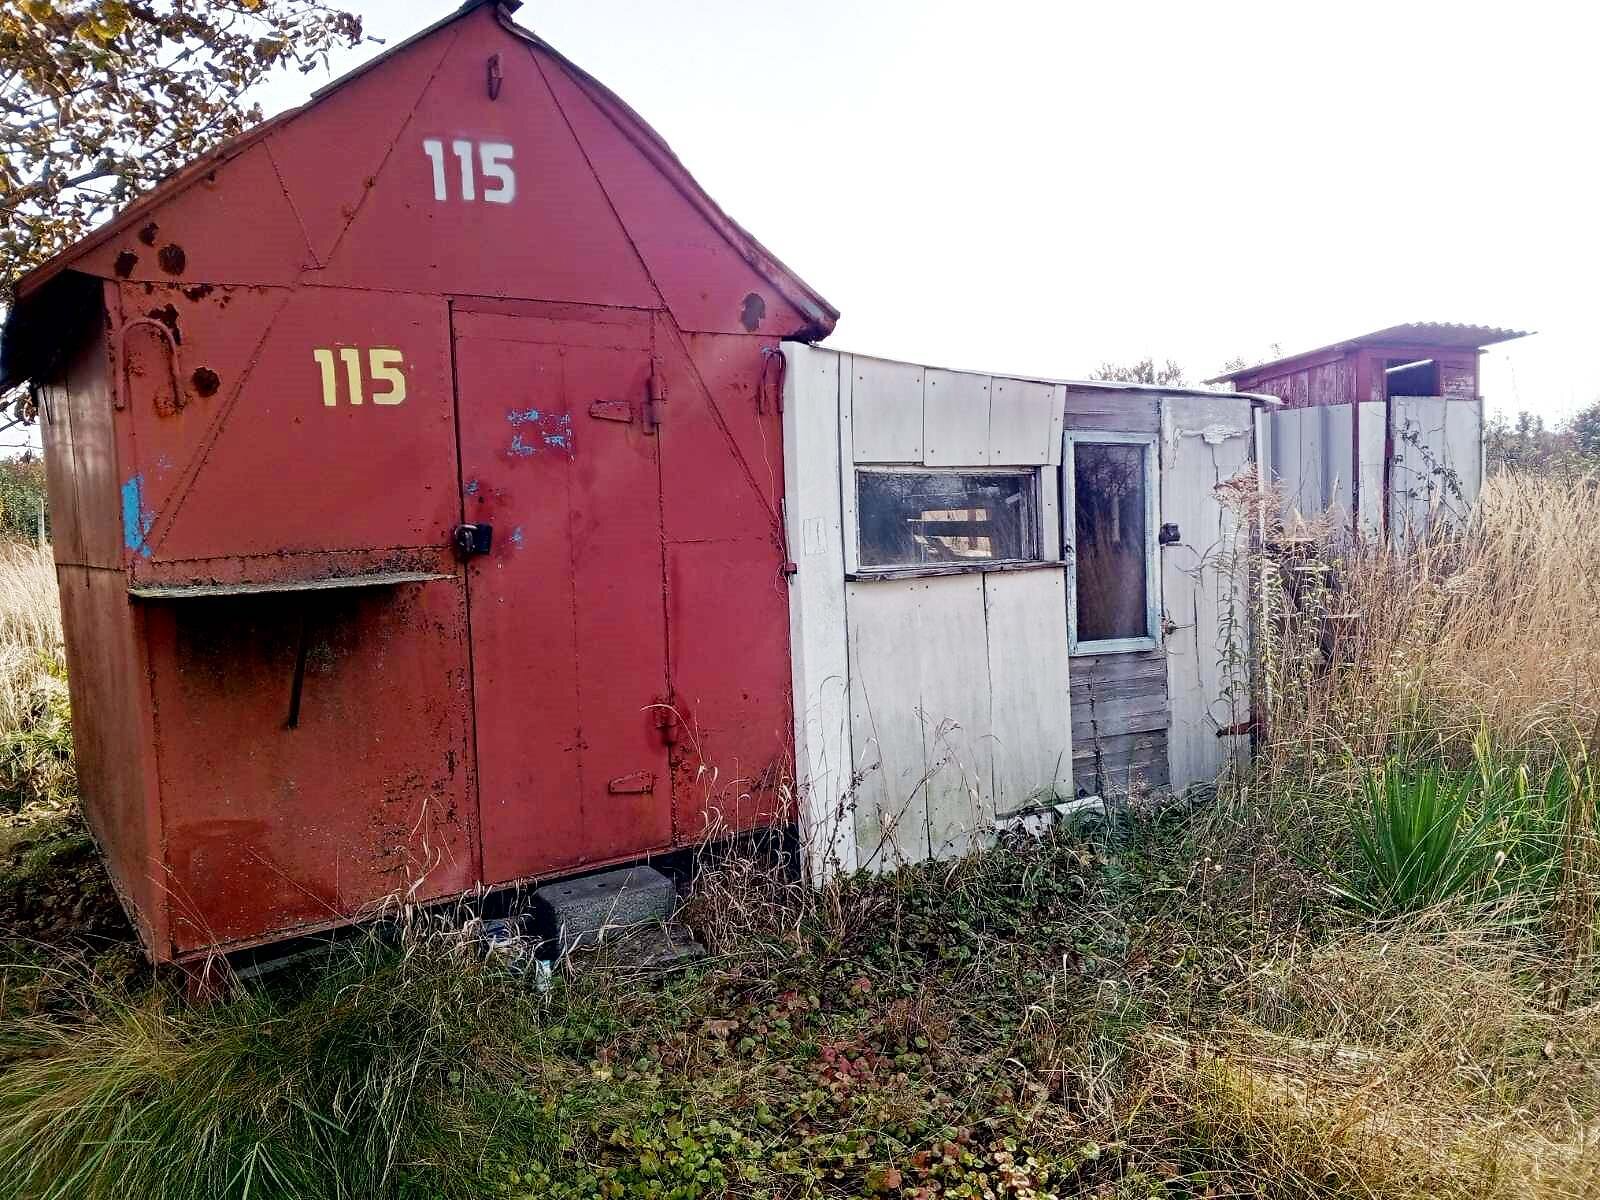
[
  {"x": 1069, "y": 536},
  {"x": 1033, "y": 529}
]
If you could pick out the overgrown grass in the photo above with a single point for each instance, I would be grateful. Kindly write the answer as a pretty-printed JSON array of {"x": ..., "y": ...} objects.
[
  {"x": 1366, "y": 970},
  {"x": 35, "y": 716}
]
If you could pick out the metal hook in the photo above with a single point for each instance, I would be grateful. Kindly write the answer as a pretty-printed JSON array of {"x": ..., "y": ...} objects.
[{"x": 121, "y": 400}]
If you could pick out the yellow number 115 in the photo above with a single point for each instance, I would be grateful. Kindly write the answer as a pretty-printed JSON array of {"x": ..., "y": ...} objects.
[{"x": 383, "y": 365}]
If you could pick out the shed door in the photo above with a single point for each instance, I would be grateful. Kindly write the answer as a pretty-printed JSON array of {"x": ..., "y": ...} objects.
[{"x": 567, "y": 623}]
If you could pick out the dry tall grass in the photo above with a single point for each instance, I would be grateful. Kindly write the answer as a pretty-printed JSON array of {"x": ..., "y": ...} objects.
[
  {"x": 35, "y": 733},
  {"x": 1492, "y": 630}
]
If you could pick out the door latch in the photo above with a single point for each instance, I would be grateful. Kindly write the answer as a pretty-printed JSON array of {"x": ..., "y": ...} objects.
[
  {"x": 1169, "y": 535},
  {"x": 473, "y": 539}
]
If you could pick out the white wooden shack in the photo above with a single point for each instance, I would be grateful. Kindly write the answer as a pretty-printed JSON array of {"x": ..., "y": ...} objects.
[{"x": 1008, "y": 593}]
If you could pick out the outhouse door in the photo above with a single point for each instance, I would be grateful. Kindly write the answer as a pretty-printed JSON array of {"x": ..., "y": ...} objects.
[{"x": 569, "y": 657}]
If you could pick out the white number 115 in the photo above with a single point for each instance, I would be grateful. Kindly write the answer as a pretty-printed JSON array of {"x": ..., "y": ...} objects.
[{"x": 493, "y": 161}]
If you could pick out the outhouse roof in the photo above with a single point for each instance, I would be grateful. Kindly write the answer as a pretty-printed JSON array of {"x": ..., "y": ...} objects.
[{"x": 1446, "y": 335}]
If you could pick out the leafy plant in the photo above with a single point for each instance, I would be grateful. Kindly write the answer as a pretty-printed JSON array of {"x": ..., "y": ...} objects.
[{"x": 1420, "y": 843}]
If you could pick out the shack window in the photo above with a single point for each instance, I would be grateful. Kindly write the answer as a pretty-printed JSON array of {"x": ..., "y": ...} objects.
[
  {"x": 933, "y": 518},
  {"x": 1111, "y": 480}
]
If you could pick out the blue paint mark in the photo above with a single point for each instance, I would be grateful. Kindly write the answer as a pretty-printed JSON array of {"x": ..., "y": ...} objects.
[
  {"x": 516, "y": 537},
  {"x": 136, "y": 519},
  {"x": 472, "y": 487},
  {"x": 538, "y": 431}
]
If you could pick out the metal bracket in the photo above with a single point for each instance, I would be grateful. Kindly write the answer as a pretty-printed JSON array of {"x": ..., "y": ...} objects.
[
  {"x": 636, "y": 784},
  {"x": 611, "y": 410}
]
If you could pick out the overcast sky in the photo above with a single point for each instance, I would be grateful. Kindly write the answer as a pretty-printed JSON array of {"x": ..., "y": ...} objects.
[{"x": 1039, "y": 187}]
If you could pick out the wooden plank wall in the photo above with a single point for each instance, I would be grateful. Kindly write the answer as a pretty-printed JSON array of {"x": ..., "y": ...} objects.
[
  {"x": 1119, "y": 701},
  {"x": 1119, "y": 722}
]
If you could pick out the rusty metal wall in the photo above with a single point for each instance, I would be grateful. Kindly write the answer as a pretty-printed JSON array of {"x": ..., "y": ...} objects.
[{"x": 424, "y": 300}]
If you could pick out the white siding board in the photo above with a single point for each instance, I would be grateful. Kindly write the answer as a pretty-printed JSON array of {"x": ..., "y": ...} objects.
[
  {"x": 958, "y": 745},
  {"x": 886, "y": 657},
  {"x": 1020, "y": 422},
  {"x": 1338, "y": 461},
  {"x": 1058, "y": 412},
  {"x": 955, "y": 419},
  {"x": 1463, "y": 437},
  {"x": 1202, "y": 586},
  {"x": 1371, "y": 434},
  {"x": 1429, "y": 434},
  {"x": 818, "y": 653},
  {"x": 1050, "y": 514},
  {"x": 1026, "y": 624},
  {"x": 886, "y": 411},
  {"x": 846, "y": 478}
]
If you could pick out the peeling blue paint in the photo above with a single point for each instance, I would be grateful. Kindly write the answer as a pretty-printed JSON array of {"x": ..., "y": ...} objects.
[
  {"x": 516, "y": 537},
  {"x": 536, "y": 431},
  {"x": 472, "y": 487},
  {"x": 136, "y": 519}
]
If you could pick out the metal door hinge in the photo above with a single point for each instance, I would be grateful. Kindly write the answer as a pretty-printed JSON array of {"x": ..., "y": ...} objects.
[
  {"x": 667, "y": 723},
  {"x": 655, "y": 397}
]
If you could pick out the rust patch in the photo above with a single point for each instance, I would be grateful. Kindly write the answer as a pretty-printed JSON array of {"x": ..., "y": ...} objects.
[
  {"x": 205, "y": 381},
  {"x": 168, "y": 316},
  {"x": 172, "y": 258},
  {"x": 751, "y": 312},
  {"x": 126, "y": 262},
  {"x": 198, "y": 291},
  {"x": 147, "y": 235}
]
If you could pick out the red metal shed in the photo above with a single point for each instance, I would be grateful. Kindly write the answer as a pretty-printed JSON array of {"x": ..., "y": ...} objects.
[{"x": 281, "y": 399}]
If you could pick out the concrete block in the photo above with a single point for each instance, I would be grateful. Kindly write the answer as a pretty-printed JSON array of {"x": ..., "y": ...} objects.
[{"x": 576, "y": 910}]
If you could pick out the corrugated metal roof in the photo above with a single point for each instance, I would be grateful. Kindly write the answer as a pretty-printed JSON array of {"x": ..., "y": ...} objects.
[{"x": 1444, "y": 334}]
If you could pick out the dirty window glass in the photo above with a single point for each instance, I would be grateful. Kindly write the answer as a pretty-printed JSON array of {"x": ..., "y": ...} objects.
[
  {"x": 1111, "y": 551},
  {"x": 945, "y": 518}
]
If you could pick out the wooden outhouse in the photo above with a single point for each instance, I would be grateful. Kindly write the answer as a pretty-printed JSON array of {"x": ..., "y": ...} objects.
[{"x": 1385, "y": 429}]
